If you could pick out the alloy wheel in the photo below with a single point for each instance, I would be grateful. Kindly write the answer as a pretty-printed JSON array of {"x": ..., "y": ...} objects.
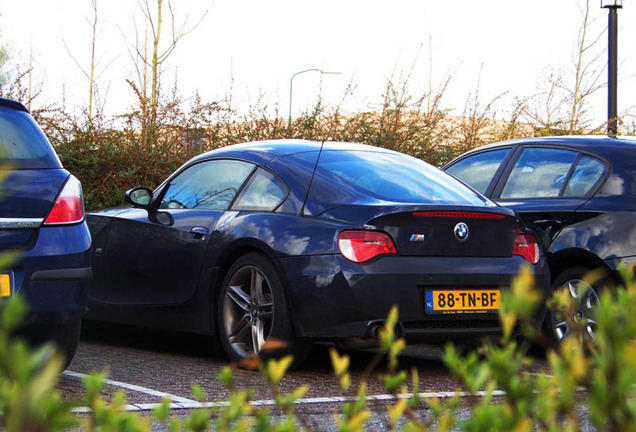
[
  {"x": 585, "y": 301},
  {"x": 248, "y": 310}
]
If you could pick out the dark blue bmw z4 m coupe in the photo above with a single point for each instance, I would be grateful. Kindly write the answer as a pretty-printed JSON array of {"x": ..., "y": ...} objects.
[
  {"x": 302, "y": 241},
  {"x": 42, "y": 227}
]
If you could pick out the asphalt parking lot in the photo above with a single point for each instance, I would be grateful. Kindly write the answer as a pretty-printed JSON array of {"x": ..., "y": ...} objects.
[{"x": 152, "y": 365}]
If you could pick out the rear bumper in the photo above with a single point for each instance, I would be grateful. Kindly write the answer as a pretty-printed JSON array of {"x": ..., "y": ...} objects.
[
  {"x": 53, "y": 274},
  {"x": 332, "y": 297}
]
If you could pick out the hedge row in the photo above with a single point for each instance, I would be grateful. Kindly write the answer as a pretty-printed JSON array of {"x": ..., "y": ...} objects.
[{"x": 110, "y": 161}]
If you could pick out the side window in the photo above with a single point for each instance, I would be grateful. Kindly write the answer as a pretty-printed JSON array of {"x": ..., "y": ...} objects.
[
  {"x": 263, "y": 192},
  {"x": 478, "y": 170},
  {"x": 210, "y": 185},
  {"x": 539, "y": 173},
  {"x": 587, "y": 173}
]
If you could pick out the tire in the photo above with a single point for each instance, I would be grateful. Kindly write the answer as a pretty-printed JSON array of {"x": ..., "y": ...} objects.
[
  {"x": 65, "y": 336},
  {"x": 252, "y": 308},
  {"x": 585, "y": 299},
  {"x": 67, "y": 339}
]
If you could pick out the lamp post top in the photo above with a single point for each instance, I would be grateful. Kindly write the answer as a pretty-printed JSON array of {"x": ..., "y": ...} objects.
[
  {"x": 612, "y": 4},
  {"x": 291, "y": 86}
]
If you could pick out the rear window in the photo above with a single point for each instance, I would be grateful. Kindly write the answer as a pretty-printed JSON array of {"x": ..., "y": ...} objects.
[
  {"x": 350, "y": 177},
  {"x": 22, "y": 142}
]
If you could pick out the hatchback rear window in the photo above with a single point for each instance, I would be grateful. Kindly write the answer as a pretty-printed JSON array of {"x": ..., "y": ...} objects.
[
  {"x": 355, "y": 176},
  {"x": 22, "y": 142}
]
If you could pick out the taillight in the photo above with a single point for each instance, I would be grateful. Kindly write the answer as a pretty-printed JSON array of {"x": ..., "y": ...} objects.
[
  {"x": 526, "y": 246},
  {"x": 69, "y": 206},
  {"x": 360, "y": 246}
]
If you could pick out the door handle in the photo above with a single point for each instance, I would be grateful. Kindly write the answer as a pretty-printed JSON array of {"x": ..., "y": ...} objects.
[{"x": 199, "y": 233}]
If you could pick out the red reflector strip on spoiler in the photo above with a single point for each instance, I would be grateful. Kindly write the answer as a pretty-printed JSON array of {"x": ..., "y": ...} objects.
[{"x": 459, "y": 215}]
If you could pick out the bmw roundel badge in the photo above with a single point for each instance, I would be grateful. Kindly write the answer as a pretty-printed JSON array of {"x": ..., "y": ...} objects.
[{"x": 461, "y": 231}]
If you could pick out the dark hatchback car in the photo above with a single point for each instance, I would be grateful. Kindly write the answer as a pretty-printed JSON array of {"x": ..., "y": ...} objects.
[
  {"x": 42, "y": 226},
  {"x": 305, "y": 240},
  {"x": 578, "y": 194}
]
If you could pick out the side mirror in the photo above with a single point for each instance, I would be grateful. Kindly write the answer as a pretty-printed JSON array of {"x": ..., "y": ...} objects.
[{"x": 139, "y": 197}]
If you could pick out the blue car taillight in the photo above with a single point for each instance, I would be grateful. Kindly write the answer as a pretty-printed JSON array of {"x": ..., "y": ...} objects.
[{"x": 69, "y": 205}]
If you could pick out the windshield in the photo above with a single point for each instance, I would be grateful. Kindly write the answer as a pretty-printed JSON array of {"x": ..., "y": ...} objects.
[
  {"x": 350, "y": 177},
  {"x": 23, "y": 143}
]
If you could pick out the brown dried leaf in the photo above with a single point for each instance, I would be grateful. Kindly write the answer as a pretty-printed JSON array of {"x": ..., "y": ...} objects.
[
  {"x": 251, "y": 363},
  {"x": 274, "y": 344}
]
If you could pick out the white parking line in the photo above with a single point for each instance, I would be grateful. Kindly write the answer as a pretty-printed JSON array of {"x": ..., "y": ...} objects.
[
  {"x": 179, "y": 402},
  {"x": 305, "y": 401},
  {"x": 145, "y": 390}
]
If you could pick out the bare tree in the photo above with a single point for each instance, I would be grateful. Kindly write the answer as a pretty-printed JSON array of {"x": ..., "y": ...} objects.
[
  {"x": 149, "y": 65},
  {"x": 476, "y": 126},
  {"x": 561, "y": 105},
  {"x": 545, "y": 109},
  {"x": 588, "y": 69},
  {"x": 92, "y": 72}
]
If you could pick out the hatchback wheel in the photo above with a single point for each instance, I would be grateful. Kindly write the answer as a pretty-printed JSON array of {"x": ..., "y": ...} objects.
[
  {"x": 64, "y": 336},
  {"x": 585, "y": 300},
  {"x": 67, "y": 338},
  {"x": 252, "y": 308}
]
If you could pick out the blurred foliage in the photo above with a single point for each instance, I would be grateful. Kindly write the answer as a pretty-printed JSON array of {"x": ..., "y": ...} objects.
[
  {"x": 595, "y": 377},
  {"x": 28, "y": 399}
]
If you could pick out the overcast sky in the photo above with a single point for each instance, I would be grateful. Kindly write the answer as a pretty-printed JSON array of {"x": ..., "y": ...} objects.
[{"x": 258, "y": 45}]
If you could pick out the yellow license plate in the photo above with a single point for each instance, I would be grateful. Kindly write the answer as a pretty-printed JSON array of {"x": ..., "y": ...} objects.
[
  {"x": 462, "y": 301},
  {"x": 5, "y": 285}
]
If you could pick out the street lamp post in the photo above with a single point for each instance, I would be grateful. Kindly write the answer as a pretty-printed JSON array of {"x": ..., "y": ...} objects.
[
  {"x": 612, "y": 63},
  {"x": 291, "y": 87}
]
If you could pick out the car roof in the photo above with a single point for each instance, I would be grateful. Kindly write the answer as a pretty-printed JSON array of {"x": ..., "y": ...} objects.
[
  {"x": 266, "y": 151},
  {"x": 583, "y": 142}
]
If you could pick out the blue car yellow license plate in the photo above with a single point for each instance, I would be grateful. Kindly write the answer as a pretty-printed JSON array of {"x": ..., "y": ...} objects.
[
  {"x": 5, "y": 285},
  {"x": 462, "y": 301}
]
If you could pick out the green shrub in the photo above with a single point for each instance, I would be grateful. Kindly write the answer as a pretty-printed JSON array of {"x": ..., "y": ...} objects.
[
  {"x": 109, "y": 163},
  {"x": 28, "y": 400}
]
